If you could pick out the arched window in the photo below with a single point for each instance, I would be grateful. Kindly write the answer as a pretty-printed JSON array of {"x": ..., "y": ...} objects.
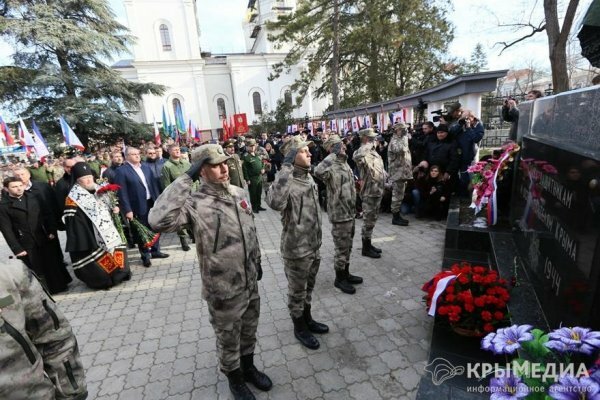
[
  {"x": 221, "y": 108},
  {"x": 164, "y": 37},
  {"x": 177, "y": 107},
  {"x": 287, "y": 97},
  {"x": 257, "y": 103}
]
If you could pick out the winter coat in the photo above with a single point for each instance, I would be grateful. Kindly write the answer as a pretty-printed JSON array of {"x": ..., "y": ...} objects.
[
  {"x": 442, "y": 153},
  {"x": 466, "y": 141}
]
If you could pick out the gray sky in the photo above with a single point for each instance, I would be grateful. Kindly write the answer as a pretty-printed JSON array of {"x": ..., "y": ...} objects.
[{"x": 474, "y": 21}]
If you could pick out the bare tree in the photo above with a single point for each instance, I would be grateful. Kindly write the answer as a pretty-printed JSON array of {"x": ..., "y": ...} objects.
[{"x": 557, "y": 39}]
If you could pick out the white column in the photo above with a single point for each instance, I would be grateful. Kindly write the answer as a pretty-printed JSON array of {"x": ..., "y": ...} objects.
[
  {"x": 471, "y": 101},
  {"x": 201, "y": 99}
]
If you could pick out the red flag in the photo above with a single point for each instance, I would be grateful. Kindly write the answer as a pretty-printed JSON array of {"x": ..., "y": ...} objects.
[
  {"x": 241, "y": 123},
  {"x": 231, "y": 126},
  {"x": 5, "y": 130},
  {"x": 225, "y": 130}
]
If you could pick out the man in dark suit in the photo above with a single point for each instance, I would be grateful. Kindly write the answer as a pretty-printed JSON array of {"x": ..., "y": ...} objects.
[{"x": 138, "y": 192}]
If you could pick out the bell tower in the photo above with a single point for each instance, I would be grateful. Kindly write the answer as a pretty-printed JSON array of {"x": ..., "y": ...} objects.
[
  {"x": 258, "y": 14},
  {"x": 164, "y": 30}
]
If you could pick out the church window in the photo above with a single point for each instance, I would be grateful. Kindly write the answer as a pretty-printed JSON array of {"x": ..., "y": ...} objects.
[
  {"x": 165, "y": 38},
  {"x": 221, "y": 108},
  {"x": 288, "y": 98},
  {"x": 257, "y": 103}
]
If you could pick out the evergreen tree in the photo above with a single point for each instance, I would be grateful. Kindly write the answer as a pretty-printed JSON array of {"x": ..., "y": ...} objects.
[
  {"x": 59, "y": 68},
  {"x": 478, "y": 58},
  {"x": 387, "y": 48}
]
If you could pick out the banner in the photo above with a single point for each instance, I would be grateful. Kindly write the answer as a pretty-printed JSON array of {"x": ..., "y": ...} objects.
[{"x": 241, "y": 123}]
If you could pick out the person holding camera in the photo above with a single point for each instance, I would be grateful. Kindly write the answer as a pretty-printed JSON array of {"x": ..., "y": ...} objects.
[{"x": 467, "y": 138}]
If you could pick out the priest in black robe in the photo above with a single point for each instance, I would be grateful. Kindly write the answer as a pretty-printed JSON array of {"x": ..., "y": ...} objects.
[{"x": 96, "y": 247}]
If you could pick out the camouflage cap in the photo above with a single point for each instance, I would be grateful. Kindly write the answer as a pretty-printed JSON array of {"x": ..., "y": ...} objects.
[
  {"x": 369, "y": 132},
  {"x": 332, "y": 140},
  {"x": 295, "y": 143},
  {"x": 229, "y": 143},
  {"x": 210, "y": 153},
  {"x": 400, "y": 125},
  {"x": 250, "y": 141}
]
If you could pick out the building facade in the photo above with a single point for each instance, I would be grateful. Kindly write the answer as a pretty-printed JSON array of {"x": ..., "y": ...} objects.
[{"x": 208, "y": 87}]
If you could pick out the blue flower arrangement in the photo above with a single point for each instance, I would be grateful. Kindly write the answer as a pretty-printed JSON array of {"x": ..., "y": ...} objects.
[{"x": 551, "y": 365}]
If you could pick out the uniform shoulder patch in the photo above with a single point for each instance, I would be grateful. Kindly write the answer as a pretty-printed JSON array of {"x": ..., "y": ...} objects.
[{"x": 69, "y": 202}]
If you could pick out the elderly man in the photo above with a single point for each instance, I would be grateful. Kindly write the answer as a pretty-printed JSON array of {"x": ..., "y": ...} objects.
[
  {"x": 93, "y": 241},
  {"x": 335, "y": 172},
  {"x": 234, "y": 164},
  {"x": 371, "y": 183},
  {"x": 294, "y": 194},
  {"x": 229, "y": 258},
  {"x": 400, "y": 168},
  {"x": 136, "y": 197}
]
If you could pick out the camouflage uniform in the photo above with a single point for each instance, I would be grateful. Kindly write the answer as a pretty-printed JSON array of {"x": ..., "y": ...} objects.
[
  {"x": 38, "y": 351},
  {"x": 228, "y": 254},
  {"x": 294, "y": 194},
  {"x": 341, "y": 204},
  {"x": 400, "y": 165},
  {"x": 370, "y": 166},
  {"x": 170, "y": 171}
]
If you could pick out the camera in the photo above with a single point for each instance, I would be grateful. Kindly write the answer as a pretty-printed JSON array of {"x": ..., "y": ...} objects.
[
  {"x": 438, "y": 116},
  {"x": 462, "y": 121}
]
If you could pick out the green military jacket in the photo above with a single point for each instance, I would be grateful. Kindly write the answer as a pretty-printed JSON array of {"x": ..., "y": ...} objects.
[
  {"x": 39, "y": 174},
  {"x": 372, "y": 173},
  {"x": 236, "y": 173},
  {"x": 399, "y": 159},
  {"x": 252, "y": 166},
  {"x": 173, "y": 170},
  {"x": 38, "y": 350},
  {"x": 337, "y": 175}
]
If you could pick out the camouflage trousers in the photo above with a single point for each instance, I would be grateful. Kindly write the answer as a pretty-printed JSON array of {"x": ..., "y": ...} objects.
[
  {"x": 398, "y": 188},
  {"x": 301, "y": 274},
  {"x": 370, "y": 207},
  {"x": 343, "y": 233},
  {"x": 235, "y": 321}
]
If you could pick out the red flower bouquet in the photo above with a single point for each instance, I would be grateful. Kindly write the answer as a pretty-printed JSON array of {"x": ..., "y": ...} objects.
[{"x": 469, "y": 297}]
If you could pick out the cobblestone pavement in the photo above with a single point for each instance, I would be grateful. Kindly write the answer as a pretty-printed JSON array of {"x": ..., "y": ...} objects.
[{"x": 150, "y": 338}]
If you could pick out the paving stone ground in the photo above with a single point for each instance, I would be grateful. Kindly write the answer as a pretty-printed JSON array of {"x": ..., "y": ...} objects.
[{"x": 150, "y": 338}]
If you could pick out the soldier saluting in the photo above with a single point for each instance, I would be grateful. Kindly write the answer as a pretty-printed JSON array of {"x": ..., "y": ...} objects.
[
  {"x": 400, "y": 167},
  {"x": 294, "y": 193},
  {"x": 229, "y": 257},
  {"x": 335, "y": 172},
  {"x": 372, "y": 179}
]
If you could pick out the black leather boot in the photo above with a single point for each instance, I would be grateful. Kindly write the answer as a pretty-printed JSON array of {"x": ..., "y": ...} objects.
[
  {"x": 353, "y": 279},
  {"x": 260, "y": 380},
  {"x": 311, "y": 324},
  {"x": 238, "y": 387},
  {"x": 184, "y": 244},
  {"x": 398, "y": 219},
  {"x": 303, "y": 334},
  {"x": 341, "y": 282},
  {"x": 368, "y": 250}
]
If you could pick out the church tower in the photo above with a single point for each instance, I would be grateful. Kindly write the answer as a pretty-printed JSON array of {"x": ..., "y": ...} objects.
[
  {"x": 165, "y": 29},
  {"x": 255, "y": 30}
]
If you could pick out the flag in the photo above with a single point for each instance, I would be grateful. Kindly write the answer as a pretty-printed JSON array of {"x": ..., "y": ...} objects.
[
  {"x": 156, "y": 132},
  {"x": 179, "y": 120},
  {"x": 225, "y": 129},
  {"x": 27, "y": 139},
  {"x": 241, "y": 123},
  {"x": 22, "y": 141},
  {"x": 70, "y": 137},
  {"x": 166, "y": 123},
  {"x": 39, "y": 144},
  {"x": 398, "y": 116},
  {"x": 6, "y": 132}
]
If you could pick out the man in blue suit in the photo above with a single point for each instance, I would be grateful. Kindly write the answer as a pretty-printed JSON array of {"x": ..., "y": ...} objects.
[{"x": 138, "y": 192}]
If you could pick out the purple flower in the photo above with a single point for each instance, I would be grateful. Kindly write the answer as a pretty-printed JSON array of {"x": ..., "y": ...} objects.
[
  {"x": 571, "y": 388},
  {"x": 508, "y": 340},
  {"x": 509, "y": 387},
  {"x": 487, "y": 343},
  {"x": 577, "y": 339}
]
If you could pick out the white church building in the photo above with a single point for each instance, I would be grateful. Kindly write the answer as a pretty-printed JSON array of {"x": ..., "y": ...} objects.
[{"x": 208, "y": 87}]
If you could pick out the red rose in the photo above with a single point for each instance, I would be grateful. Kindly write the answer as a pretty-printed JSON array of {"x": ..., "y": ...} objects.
[
  {"x": 463, "y": 279},
  {"x": 486, "y": 315},
  {"x": 479, "y": 301},
  {"x": 450, "y": 289},
  {"x": 244, "y": 204},
  {"x": 498, "y": 316},
  {"x": 479, "y": 270},
  {"x": 469, "y": 307},
  {"x": 488, "y": 327},
  {"x": 449, "y": 297}
]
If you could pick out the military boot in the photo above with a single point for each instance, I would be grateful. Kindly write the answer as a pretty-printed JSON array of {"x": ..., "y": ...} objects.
[
  {"x": 367, "y": 249},
  {"x": 341, "y": 282},
  {"x": 311, "y": 324},
  {"x": 303, "y": 334},
  {"x": 260, "y": 380},
  {"x": 375, "y": 249},
  {"x": 184, "y": 244},
  {"x": 353, "y": 279},
  {"x": 397, "y": 219},
  {"x": 238, "y": 387}
]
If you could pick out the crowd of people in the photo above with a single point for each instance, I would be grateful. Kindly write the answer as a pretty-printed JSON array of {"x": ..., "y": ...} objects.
[{"x": 200, "y": 192}]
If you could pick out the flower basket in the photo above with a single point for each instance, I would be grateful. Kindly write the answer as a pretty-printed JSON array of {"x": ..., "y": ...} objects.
[
  {"x": 472, "y": 299},
  {"x": 143, "y": 235}
]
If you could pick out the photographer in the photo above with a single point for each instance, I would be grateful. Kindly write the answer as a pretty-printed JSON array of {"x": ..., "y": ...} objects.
[{"x": 470, "y": 133}]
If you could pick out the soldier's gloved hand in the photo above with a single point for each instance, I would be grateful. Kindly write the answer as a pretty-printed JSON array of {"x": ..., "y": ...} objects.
[
  {"x": 290, "y": 157},
  {"x": 194, "y": 171},
  {"x": 258, "y": 272}
]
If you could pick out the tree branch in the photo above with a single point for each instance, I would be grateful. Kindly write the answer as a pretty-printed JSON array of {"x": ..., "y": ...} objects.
[{"x": 534, "y": 30}]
